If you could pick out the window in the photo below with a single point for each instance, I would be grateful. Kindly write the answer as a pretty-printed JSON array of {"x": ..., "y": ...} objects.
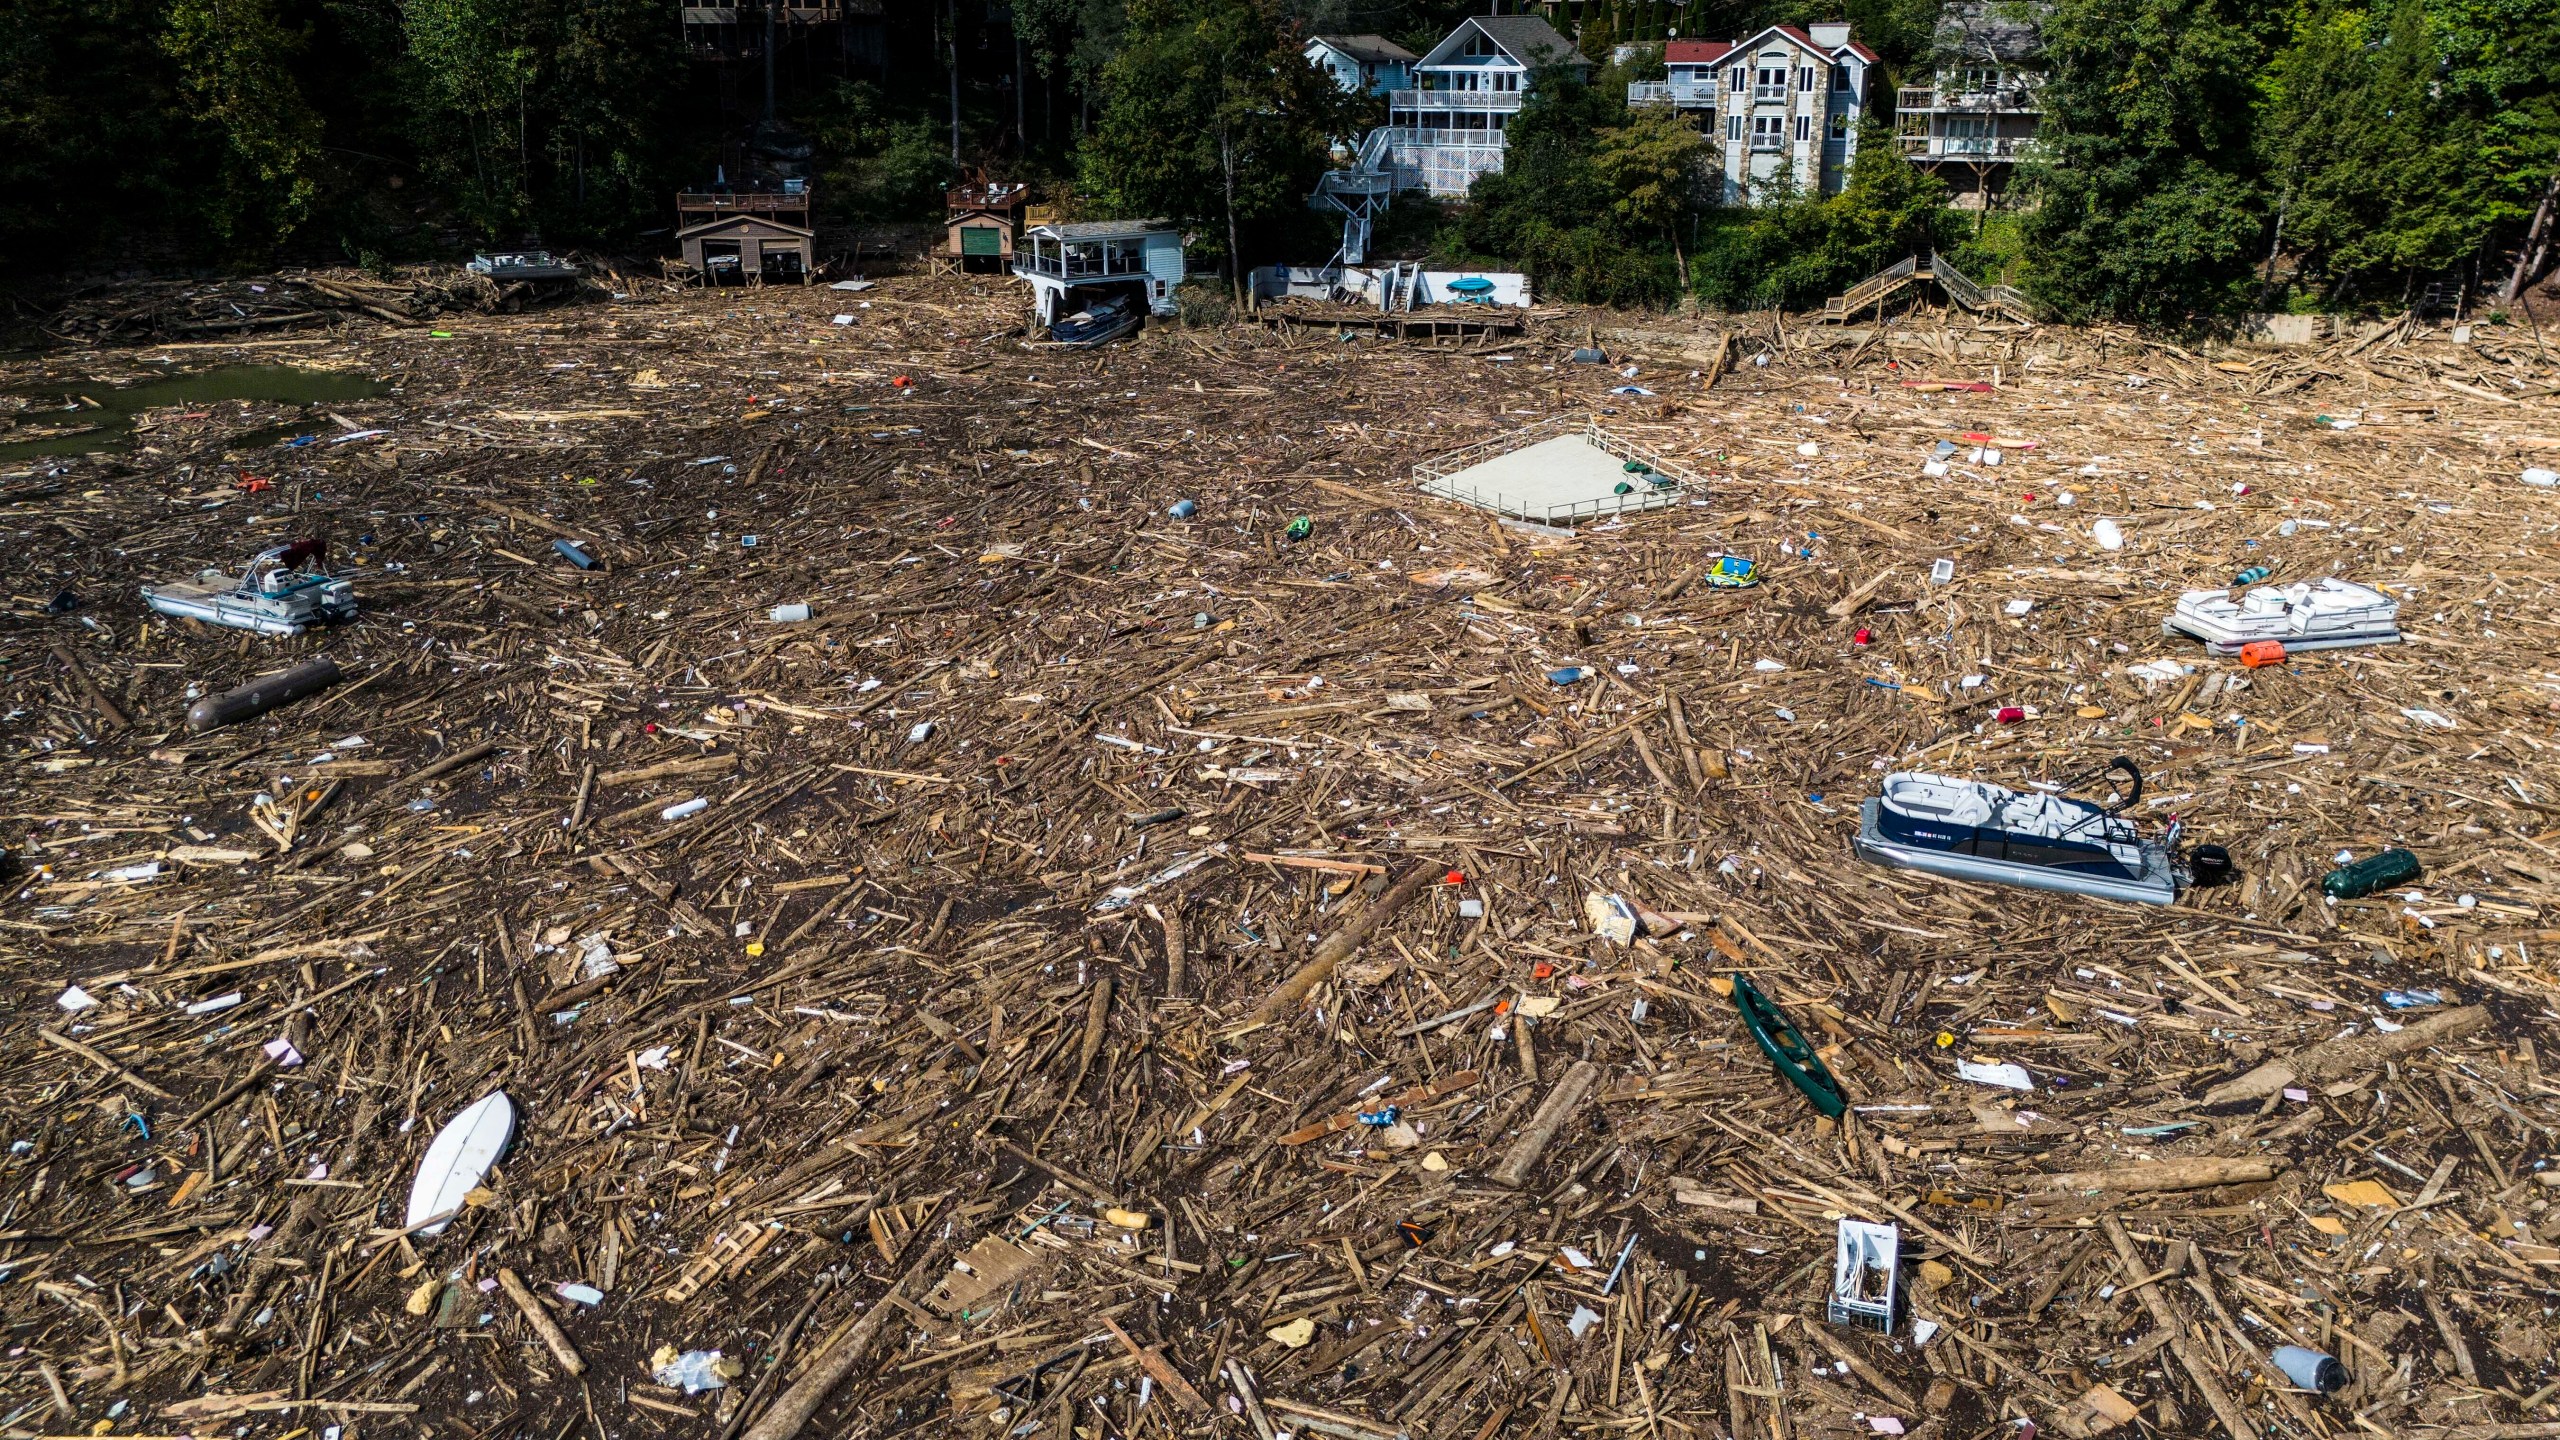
[
  {"x": 1840, "y": 78},
  {"x": 1804, "y": 78},
  {"x": 1734, "y": 77},
  {"x": 1804, "y": 127},
  {"x": 1768, "y": 132},
  {"x": 1733, "y": 127},
  {"x": 1840, "y": 125}
]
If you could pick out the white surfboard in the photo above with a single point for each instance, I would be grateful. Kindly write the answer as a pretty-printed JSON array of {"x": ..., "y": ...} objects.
[{"x": 460, "y": 1158}]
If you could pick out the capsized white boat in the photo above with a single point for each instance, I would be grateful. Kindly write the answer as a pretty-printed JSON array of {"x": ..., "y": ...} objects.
[
  {"x": 270, "y": 596},
  {"x": 2323, "y": 614},
  {"x": 458, "y": 1160},
  {"x": 1975, "y": 830}
]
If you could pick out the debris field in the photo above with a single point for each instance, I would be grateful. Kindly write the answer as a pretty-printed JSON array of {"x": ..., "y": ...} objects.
[{"x": 1106, "y": 974}]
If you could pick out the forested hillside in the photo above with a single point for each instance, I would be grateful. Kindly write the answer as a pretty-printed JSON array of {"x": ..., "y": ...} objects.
[{"x": 2199, "y": 156}]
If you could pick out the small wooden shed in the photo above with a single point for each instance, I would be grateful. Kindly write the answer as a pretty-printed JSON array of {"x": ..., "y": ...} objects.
[
  {"x": 748, "y": 237},
  {"x": 750, "y": 249},
  {"x": 981, "y": 222}
]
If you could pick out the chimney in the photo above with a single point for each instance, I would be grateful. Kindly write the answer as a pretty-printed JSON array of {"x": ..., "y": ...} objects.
[{"x": 1830, "y": 35}]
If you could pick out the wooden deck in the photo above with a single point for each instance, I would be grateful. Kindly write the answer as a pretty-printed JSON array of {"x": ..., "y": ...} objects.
[{"x": 1436, "y": 324}]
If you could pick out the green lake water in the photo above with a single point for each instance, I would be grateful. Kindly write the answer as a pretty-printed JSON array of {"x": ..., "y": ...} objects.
[{"x": 113, "y": 419}]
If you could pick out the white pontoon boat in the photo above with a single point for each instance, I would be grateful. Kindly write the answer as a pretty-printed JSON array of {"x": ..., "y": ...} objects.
[{"x": 2323, "y": 614}]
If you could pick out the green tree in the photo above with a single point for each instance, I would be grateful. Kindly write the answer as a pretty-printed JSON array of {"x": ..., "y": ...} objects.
[
  {"x": 1594, "y": 197},
  {"x": 1211, "y": 115},
  {"x": 880, "y": 164},
  {"x": 1794, "y": 249},
  {"x": 1649, "y": 168},
  {"x": 92, "y": 143},
  {"x": 478, "y": 60},
  {"x": 2145, "y": 178},
  {"x": 233, "y": 65},
  {"x": 609, "y": 96}
]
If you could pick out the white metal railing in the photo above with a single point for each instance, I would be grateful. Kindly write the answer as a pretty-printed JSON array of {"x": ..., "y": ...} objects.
[
  {"x": 1962, "y": 147},
  {"x": 1766, "y": 144},
  {"x": 1077, "y": 267},
  {"x": 1880, "y": 283},
  {"x": 1434, "y": 474},
  {"x": 1409, "y": 137},
  {"x": 1672, "y": 92},
  {"x": 1444, "y": 100},
  {"x": 1763, "y": 93}
]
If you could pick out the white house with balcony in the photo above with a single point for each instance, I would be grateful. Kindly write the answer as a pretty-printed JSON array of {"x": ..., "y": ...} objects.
[
  {"x": 1075, "y": 267},
  {"x": 1448, "y": 129},
  {"x": 1981, "y": 109},
  {"x": 1694, "y": 67},
  {"x": 1363, "y": 64},
  {"x": 1784, "y": 102}
]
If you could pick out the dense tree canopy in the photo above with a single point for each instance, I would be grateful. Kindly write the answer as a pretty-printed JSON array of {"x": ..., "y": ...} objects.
[
  {"x": 1211, "y": 114},
  {"x": 2198, "y": 157},
  {"x": 2192, "y": 149}
]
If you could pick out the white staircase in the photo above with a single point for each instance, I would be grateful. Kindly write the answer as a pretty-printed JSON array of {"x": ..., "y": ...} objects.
[
  {"x": 1398, "y": 288},
  {"x": 1361, "y": 192}
]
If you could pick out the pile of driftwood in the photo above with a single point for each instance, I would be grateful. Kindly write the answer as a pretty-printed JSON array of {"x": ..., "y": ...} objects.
[
  {"x": 136, "y": 312},
  {"x": 1096, "y": 973}
]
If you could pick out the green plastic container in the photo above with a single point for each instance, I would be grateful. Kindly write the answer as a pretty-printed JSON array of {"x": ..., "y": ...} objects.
[{"x": 2374, "y": 872}]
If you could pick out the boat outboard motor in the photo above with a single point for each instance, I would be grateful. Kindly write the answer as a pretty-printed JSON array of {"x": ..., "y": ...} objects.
[{"x": 2211, "y": 865}]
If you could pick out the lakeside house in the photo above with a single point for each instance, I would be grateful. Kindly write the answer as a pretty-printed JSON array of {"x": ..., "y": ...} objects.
[
  {"x": 1074, "y": 267},
  {"x": 1448, "y": 127},
  {"x": 1984, "y": 102},
  {"x": 1363, "y": 64},
  {"x": 1782, "y": 103}
]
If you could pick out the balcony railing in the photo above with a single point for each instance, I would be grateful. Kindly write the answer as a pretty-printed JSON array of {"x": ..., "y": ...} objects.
[
  {"x": 804, "y": 14},
  {"x": 1073, "y": 266},
  {"x": 1685, "y": 94},
  {"x": 1474, "y": 101},
  {"x": 1767, "y": 144},
  {"x": 751, "y": 202},
  {"x": 985, "y": 197},
  {"x": 1405, "y": 140},
  {"x": 2018, "y": 99},
  {"x": 1962, "y": 147},
  {"x": 1761, "y": 94}
]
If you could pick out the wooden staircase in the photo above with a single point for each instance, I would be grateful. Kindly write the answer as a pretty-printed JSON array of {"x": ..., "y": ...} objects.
[
  {"x": 1874, "y": 290},
  {"x": 1923, "y": 268}
]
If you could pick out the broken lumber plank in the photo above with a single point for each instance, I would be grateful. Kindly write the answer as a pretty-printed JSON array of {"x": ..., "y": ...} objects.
[{"x": 1553, "y": 1112}]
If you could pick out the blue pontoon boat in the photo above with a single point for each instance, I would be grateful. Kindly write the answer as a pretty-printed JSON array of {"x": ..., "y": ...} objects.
[{"x": 1973, "y": 830}]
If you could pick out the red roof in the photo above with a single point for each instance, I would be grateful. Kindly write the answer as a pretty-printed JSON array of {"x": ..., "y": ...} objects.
[
  {"x": 1696, "y": 52},
  {"x": 1792, "y": 32}
]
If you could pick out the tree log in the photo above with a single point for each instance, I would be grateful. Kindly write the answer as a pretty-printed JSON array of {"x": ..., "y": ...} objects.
[
  {"x": 1553, "y": 1112},
  {"x": 828, "y": 1370},
  {"x": 555, "y": 1339},
  {"x": 2346, "y": 1054},
  {"x": 2196, "y": 1173},
  {"x": 1339, "y": 946}
]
